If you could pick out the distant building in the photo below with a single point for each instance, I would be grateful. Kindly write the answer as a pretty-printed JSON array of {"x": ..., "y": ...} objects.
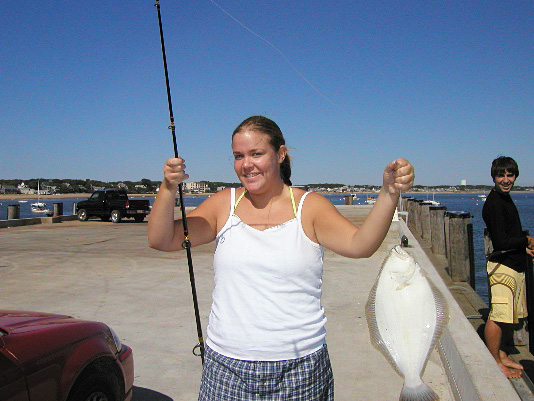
[
  {"x": 197, "y": 187},
  {"x": 47, "y": 190},
  {"x": 9, "y": 189},
  {"x": 25, "y": 190}
]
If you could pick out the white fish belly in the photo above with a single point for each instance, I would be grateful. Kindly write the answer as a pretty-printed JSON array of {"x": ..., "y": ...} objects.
[{"x": 406, "y": 321}]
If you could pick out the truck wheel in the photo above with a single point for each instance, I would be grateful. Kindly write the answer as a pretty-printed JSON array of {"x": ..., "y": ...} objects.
[
  {"x": 116, "y": 216},
  {"x": 82, "y": 215},
  {"x": 139, "y": 218}
]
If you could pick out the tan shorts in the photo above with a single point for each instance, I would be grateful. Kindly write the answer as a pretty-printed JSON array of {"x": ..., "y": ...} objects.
[{"x": 507, "y": 294}]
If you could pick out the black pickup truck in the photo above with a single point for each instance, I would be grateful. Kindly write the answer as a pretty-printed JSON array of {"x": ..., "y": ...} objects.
[{"x": 112, "y": 204}]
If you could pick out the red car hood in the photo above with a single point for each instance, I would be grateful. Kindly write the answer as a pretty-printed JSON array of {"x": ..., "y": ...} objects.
[
  {"x": 45, "y": 332},
  {"x": 12, "y": 321}
]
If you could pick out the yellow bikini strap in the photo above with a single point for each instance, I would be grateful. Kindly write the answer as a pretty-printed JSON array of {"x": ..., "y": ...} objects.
[
  {"x": 293, "y": 201},
  {"x": 239, "y": 199},
  {"x": 290, "y": 192}
]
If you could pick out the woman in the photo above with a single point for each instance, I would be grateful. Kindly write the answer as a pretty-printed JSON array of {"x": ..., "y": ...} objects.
[{"x": 266, "y": 336}]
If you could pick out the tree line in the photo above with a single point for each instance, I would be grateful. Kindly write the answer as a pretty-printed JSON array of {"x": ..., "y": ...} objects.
[{"x": 145, "y": 185}]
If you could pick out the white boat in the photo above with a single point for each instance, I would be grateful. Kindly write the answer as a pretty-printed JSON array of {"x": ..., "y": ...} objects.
[
  {"x": 434, "y": 202},
  {"x": 370, "y": 200},
  {"x": 483, "y": 196},
  {"x": 39, "y": 207}
]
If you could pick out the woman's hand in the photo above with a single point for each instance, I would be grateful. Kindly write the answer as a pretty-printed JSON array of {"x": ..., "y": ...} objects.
[
  {"x": 174, "y": 172},
  {"x": 530, "y": 247},
  {"x": 398, "y": 176}
]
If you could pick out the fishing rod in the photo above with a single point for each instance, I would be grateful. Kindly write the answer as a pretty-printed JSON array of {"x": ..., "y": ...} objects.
[{"x": 187, "y": 243}]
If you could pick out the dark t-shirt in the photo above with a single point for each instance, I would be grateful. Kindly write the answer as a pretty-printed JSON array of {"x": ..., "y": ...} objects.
[{"x": 502, "y": 220}]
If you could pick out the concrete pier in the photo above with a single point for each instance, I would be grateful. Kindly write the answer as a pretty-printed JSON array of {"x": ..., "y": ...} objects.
[{"x": 104, "y": 271}]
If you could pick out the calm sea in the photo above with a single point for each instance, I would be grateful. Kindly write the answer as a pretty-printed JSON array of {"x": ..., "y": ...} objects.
[{"x": 454, "y": 202}]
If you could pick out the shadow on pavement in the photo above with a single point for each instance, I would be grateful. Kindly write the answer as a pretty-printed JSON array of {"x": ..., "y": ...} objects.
[{"x": 145, "y": 394}]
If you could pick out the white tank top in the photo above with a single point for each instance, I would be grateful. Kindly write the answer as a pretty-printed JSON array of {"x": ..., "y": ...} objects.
[{"x": 267, "y": 296}]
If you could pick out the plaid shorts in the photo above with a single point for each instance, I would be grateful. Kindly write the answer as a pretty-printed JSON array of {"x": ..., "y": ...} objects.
[{"x": 308, "y": 378}]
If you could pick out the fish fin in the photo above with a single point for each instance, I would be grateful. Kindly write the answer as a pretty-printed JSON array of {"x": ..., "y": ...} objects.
[
  {"x": 374, "y": 333},
  {"x": 419, "y": 393},
  {"x": 442, "y": 315}
]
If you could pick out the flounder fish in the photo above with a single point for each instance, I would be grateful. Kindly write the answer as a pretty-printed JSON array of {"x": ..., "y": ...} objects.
[{"x": 406, "y": 314}]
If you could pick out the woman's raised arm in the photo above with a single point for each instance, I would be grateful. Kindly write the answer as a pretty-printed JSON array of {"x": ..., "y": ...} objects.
[{"x": 335, "y": 232}]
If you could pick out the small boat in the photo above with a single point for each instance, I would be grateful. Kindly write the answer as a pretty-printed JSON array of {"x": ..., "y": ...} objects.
[
  {"x": 483, "y": 196},
  {"x": 433, "y": 201},
  {"x": 370, "y": 200},
  {"x": 39, "y": 207}
]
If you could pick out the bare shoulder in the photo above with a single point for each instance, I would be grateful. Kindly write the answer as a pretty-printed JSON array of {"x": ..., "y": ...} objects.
[
  {"x": 215, "y": 209},
  {"x": 315, "y": 203},
  {"x": 319, "y": 213},
  {"x": 214, "y": 204}
]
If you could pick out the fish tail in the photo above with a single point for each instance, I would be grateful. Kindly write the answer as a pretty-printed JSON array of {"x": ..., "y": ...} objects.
[{"x": 420, "y": 392}]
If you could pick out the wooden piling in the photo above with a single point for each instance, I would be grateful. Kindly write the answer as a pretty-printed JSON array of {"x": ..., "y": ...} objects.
[
  {"x": 425, "y": 220},
  {"x": 348, "y": 200},
  {"x": 460, "y": 242},
  {"x": 417, "y": 215},
  {"x": 58, "y": 209},
  {"x": 410, "y": 207},
  {"x": 437, "y": 229},
  {"x": 13, "y": 212}
]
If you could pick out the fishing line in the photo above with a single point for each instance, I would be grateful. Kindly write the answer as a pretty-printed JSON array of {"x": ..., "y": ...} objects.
[{"x": 289, "y": 62}]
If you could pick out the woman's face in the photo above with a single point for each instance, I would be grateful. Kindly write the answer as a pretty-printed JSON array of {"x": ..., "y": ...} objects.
[{"x": 256, "y": 163}]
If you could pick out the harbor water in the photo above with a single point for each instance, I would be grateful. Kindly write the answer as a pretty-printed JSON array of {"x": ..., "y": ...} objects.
[{"x": 467, "y": 202}]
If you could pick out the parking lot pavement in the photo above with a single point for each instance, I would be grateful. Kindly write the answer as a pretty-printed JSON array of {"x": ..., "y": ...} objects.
[{"x": 104, "y": 271}]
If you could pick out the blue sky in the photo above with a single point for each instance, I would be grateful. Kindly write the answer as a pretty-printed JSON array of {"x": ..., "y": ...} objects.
[{"x": 448, "y": 85}]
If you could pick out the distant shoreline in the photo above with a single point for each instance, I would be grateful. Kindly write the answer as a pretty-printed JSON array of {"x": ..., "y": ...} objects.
[
  {"x": 87, "y": 195},
  {"x": 80, "y": 195}
]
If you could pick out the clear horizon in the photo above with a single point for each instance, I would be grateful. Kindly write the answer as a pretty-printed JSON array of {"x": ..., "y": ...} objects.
[{"x": 353, "y": 85}]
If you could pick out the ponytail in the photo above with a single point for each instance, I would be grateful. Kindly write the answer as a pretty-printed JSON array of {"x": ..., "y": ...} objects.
[{"x": 285, "y": 170}]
